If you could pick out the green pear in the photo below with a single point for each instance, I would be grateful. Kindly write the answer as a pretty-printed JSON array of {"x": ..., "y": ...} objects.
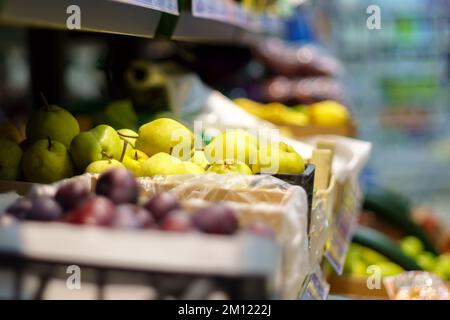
[
  {"x": 128, "y": 135},
  {"x": 279, "y": 158},
  {"x": 165, "y": 135},
  {"x": 133, "y": 162},
  {"x": 54, "y": 122},
  {"x": 162, "y": 163},
  {"x": 199, "y": 159},
  {"x": 10, "y": 156},
  {"x": 119, "y": 114},
  {"x": 227, "y": 166},
  {"x": 192, "y": 168},
  {"x": 234, "y": 145},
  {"x": 99, "y": 143},
  {"x": 47, "y": 161},
  {"x": 101, "y": 166}
]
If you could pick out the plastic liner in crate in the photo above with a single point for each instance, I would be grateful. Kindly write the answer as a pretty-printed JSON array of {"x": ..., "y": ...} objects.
[{"x": 304, "y": 180}]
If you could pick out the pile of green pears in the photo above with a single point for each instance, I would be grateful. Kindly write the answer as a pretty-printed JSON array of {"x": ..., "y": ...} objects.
[{"x": 55, "y": 149}]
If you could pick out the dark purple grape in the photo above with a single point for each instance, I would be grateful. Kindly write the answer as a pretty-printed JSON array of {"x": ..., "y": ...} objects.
[
  {"x": 20, "y": 208},
  {"x": 260, "y": 229},
  {"x": 98, "y": 211},
  {"x": 216, "y": 219},
  {"x": 7, "y": 220},
  {"x": 45, "y": 209},
  {"x": 130, "y": 216},
  {"x": 119, "y": 186},
  {"x": 161, "y": 204},
  {"x": 177, "y": 221},
  {"x": 72, "y": 194}
]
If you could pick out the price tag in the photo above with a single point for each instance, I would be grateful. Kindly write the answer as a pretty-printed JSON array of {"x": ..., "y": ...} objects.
[
  {"x": 220, "y": 10},
  {"x": 343, "y": 227},
  {"x": 169, "y": 6},
  {"x": 317, "y": 289}
]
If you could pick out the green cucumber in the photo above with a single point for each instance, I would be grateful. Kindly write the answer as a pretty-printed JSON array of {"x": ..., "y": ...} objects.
[
  {"x": 379, "y": 242},
  {"x": 396, "y": 209}
]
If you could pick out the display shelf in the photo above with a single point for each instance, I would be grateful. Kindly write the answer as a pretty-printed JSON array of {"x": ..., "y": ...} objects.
[
  {"x": 218, "y": 21},
  {"x": 245, "y": 264},
  {"x": 223, "y": 21},
  {"x": 106, "y": 16}
]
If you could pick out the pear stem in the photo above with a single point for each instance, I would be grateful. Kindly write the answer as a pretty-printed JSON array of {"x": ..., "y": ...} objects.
[
  {"x": 127, "y": 136},
  {"x": 125, "y": 145},
  {"x": 135, "y": 155},
  {"x": 49, "y": 143},
  {"x": 44, "y": 99}
]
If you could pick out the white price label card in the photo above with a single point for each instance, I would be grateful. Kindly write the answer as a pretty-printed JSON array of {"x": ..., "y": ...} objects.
[
  {"x": 169, "y": 6},
  {"x": 221, "y": 10}
]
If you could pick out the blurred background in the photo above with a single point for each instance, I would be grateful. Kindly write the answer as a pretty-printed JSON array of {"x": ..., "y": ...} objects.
[{"x": 396, "y": 79}]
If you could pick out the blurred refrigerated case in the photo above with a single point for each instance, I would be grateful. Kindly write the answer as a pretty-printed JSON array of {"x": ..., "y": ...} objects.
[{"x": 398, "y": 81}]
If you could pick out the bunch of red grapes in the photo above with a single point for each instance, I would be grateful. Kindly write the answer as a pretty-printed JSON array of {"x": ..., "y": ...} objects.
[{"x": 115, "y": 204}]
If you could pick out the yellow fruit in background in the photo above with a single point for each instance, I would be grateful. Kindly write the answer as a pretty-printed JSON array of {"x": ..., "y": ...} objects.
[
  {"x": 47, "y": 161},
  {"x": 11, "y": 132},
  {"x": 162, "y": 163},
  {"x": 250, "y": 106},
  {"x": 165, "y": 135},
  {"x": 133, "y": 161},
  {"x": 192, "y": 168},
  {"x": 10, "y": 157},
  {"x": 233, "y": 145},
  {"x": 328, "y": 113},
  {"x": 101, "y": 166}
]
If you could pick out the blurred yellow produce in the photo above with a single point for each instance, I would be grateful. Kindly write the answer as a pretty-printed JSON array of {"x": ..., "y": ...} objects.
[{"x": 326, "y": 113}]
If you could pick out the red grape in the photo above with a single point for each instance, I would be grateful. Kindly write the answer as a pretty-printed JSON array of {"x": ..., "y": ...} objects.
[
  {"x": 20, "y": 208},
  {"x": 130, "y": 216},
  {"x": 119, "y": 186},
  {"x": 161, "y": 204},
  {"x": 177, "y": 221},
  {"x": 98, "y": 211},
  {"x": 216, "y": 219},
  {"x": 72, "y": 194},
  {"x": 45, "y": 209}
]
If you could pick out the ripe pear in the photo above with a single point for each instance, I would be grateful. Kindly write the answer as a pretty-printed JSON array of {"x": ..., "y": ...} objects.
[
  {"x": 162, "y": 163},
  {"x": 101, "y": 166},
  {"x": 224, "y": 167},
  {"x": 11, "y": 132},
  {"x": 165, "y": 135},
  {"x": 279, "y": 158},
  {"x": 192, "y": 168},
  {"x": 128, "y": 135},
  {"x": 47, "y": 161},
  {"x": 199, "y": 159},
  {"x": 235, "y": 145},
  {"x": 133, "y": 162},
  {"x": 54, "y": 122},
  {"x": 10, "y": 156},
  {"x": 99, "y": 143}
]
